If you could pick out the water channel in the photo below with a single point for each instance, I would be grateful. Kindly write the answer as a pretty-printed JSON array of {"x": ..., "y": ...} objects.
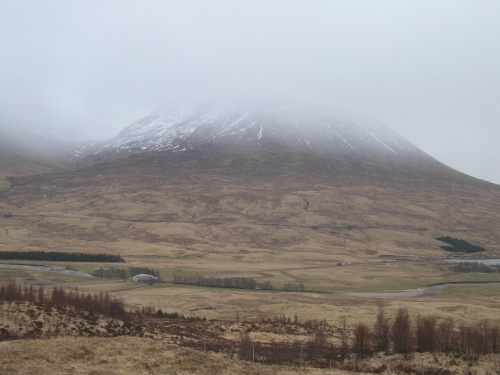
[
  {"x": 61, "y": 270},
  {"x": 410, "y": 293},
  {"x": 488, "y": 262}
]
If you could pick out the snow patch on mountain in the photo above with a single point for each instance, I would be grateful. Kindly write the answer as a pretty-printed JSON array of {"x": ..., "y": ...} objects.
[{"x": 185, "y": 128}]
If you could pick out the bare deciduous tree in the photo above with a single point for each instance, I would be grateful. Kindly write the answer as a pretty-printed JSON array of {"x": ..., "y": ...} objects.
[
  {"x": 245, "y": 350},
  {"x": 344, "y": 338},
  {"x": 445, "y": 336},
  {"x": 381, "y": 330},
  {"x": 425, "y": 333},
  {"x": 361, "y": 341},
  {"x": 401, "y": 332}
]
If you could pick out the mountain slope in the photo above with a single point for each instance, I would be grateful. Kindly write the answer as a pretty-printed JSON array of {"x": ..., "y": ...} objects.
[
  {"x": 232, "y": 197},
  {"x": 300, "y": 129},
  {"x": 226, "y": 196}
]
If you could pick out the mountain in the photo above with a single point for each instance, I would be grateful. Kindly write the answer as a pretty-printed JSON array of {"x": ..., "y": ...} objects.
[
  {"x": 303, "y": 141},
  {"x": 184, "y": 185},
  {"x": 294, "y": 143},
  {"x": 300, "y": 129}
]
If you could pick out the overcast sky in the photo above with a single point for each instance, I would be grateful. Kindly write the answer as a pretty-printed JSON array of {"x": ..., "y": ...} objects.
[{"x": 429, "y": 69}]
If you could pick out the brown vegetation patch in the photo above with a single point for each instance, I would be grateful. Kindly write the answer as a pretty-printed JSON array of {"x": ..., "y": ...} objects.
[{"x": 130, "y": 355}]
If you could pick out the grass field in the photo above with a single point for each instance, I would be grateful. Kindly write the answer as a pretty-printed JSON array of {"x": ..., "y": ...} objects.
[{"x": 463, "y": 303}]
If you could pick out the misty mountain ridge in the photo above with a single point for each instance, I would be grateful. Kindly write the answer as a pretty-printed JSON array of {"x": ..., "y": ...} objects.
[
  {"x": 20, "y": 137},
  {"x": 27, "y": 150},
  {"x": 305, "y": 140},
  {"x": 301, "y": 129}
]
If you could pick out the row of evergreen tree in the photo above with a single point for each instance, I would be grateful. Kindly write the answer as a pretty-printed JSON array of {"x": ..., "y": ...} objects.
[
  {"x": 476, "y": 267},
  {"x": 226, "y": 282},
  {"x": 293, "y": 287},
  {"x": 459, "y": 246},
  {"x": 60, "y": 256}
]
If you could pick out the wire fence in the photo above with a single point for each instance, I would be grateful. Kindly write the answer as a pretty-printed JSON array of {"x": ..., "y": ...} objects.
[
  {"x": 281, "y": 353},
  {"x": 297, "y": 354}
]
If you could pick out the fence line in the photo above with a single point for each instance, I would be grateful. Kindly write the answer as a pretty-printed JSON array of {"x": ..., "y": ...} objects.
[{"x": 279, "y": 353}]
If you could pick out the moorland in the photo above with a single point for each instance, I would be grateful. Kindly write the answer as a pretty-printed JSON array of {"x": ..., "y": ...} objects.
[{"x": 314, "y": 228}]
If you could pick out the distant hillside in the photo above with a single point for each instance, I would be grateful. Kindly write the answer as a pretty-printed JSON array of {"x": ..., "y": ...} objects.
[{"x": 25, "y": 153}]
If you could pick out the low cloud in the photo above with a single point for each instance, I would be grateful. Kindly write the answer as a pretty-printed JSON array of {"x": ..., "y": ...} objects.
[{"x": 428, "y": 69}]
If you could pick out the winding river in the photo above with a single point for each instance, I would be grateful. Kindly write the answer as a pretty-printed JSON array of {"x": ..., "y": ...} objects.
[
  {"x": 61, "y": 270},
  {"x": 410, "y": 293}
]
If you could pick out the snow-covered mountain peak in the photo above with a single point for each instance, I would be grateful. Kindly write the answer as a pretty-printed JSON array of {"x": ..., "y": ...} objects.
[{"x": 306, "y": 129}]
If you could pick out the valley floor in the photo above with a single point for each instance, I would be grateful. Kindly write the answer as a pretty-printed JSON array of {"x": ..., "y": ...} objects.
[{"x": 90, "y": 347}]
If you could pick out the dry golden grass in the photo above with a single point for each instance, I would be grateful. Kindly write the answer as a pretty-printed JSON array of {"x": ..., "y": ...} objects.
[
  {"x": 432, "y": 364},
  {"x": 132, "y": 355},
  {"x": 124, "y": 355},
  {"x": 225, "y": 304}
]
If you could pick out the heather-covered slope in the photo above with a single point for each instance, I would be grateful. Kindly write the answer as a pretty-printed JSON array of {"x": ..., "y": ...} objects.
[{"x": 228, "y": 204}]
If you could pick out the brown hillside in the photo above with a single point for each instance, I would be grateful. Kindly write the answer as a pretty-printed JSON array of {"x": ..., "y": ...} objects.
[{"x": 250, "y": 206}]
